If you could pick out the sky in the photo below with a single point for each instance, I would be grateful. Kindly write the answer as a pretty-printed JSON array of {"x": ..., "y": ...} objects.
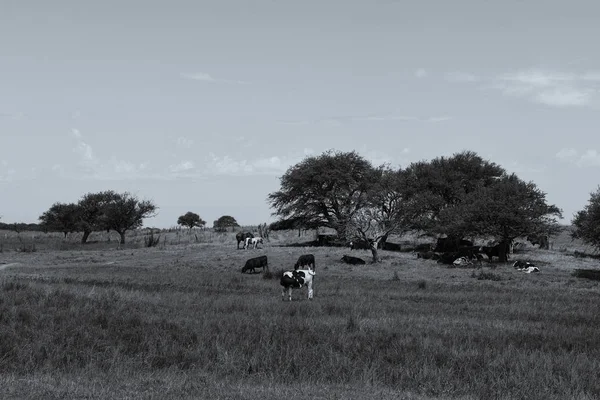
[{"x": 202, "y": 105}]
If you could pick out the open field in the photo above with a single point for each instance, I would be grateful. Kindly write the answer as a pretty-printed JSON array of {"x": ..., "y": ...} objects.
[{"x": 179, "y": 321}]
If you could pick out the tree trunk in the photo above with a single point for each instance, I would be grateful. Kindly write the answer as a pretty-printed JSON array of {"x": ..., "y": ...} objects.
[
  {"x": 374, "y": 245},
  {"x": 86, "y": 235},
  {"x": 122, "y": 234}
]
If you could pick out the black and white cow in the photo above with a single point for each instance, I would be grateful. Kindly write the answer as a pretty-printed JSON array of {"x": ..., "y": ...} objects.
[
  {"x": 525, "y": 266},
  {"x": 241, "y": 237},
  {"x": 353, "y": 260},
  {"x": 256, "y": 262},
  {"x": 305, "y": 259},
  {"x": 253, "y": 242},
  {"x": 295, "y": 280}
]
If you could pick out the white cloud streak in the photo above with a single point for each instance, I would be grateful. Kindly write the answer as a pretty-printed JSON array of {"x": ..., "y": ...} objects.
[{"x": 204, "y": 77}]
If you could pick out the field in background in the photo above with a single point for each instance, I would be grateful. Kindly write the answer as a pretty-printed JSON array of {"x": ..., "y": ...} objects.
[{"x": 179, "y": 320}]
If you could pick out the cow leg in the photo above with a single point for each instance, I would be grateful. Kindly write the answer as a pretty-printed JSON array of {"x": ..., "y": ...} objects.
[{"x": 310, "y": 290}]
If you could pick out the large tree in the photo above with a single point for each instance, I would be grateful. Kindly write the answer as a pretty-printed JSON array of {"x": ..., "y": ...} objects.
[
  {"x": 587, "y": 221},
  {"x": 438, "y": 187},
  {"x": 91, "y": 210},
  {"x": 190, "y": 220},
  {"x": 61, "y": 217},
  {"x": 124, "y": 211},
  {"x": 224, "y": 222},
  {"x": 506, "y": 209},
  {"x": 325, "y": 190}
]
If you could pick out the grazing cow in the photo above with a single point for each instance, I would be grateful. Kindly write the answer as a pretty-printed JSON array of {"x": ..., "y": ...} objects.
[
  {"x": 241, "y": 237},
  {"x": 353, "y": 260},
  {"x": 256, "y": 262},
  {"x": 253, "y": 241},
  {"x": 360, "y": 245},
  {"x": 306, "y": 259},
  {"x": 295, "y": 280}
]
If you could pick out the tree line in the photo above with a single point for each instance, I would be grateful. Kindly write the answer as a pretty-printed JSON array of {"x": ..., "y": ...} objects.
[{"x": 459, "y": 196}]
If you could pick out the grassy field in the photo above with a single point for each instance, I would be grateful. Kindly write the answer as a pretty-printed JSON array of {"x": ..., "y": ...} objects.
[{"x": 180, "y": 321}]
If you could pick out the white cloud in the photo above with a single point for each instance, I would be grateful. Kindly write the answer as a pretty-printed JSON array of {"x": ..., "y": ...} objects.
[
  {"x": 204, "y": 77},
  {"x": 566, "y": 153},
  {"x": 198, "y": 76},
  {"x": 551, "y": 88},
  {"x": 182, "y": 166},
  {"x": 340, "y": 120},
  {"x": 461, "y": 77},
  {"x": 84, "y": 150},
  {"x": 591, "y": 158},
  {"x": 421, "y": 73},
  {"x": 184, "y": 142}
]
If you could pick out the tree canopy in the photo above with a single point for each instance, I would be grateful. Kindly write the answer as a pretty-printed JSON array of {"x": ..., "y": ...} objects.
[
  {"x": 124, "y": 211},
  {"x": 190, "y": 220},
  {"x": 61, "y": 217},
  {"x": 224, "y": 222},
  {"x": 586, "y": 222},
  {"x": 325, "y": 190}
]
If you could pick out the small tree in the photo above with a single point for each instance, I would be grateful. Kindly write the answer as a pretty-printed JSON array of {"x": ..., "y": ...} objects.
[
  {"x": 124, "y": 212},
  {"x": 61, "y": 217},
  {"x": 226, "y": 221},
  {"x": 587, "y": 221},
  {"x": 190, "y": 220},
  {"x": 91, "y": 208}
]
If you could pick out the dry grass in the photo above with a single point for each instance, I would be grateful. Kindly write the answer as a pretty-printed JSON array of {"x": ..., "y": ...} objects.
[{"x": 179, "y": 320}]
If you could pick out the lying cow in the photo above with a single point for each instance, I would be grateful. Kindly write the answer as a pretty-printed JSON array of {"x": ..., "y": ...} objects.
[
  {"x": 306, "y": 259},
  {"x": 360, "y": 245},
  {"x": 241, "y": 237},
  {"x": 295, "y": 280},
  {"x": 256, "y": 262},
  {"x": 353, "y": 260},
  {"x": 525, "y": 266},
  {"x": 389, "y": 246}
]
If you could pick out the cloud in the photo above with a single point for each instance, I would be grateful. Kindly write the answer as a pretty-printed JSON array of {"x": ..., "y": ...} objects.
[
  {"x": 566, "y": 153},
  {"x": 555, "y": 89},
  {"x": 420, "y": 73},
  {"x": 184, "y": 142},
  {"x": 462, "y": 77},
  {"x": 182, "y": 166},
  {"x": 83, "y": 149},
  {"x": 340, "y": 120},
  {"x": 591, "y": 158},
  {"x": 204, "y": 77}
]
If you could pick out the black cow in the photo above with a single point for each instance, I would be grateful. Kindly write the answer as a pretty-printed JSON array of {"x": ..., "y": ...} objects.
[
  {"x": 391, "y": 246},
  {"x": 423, "y": 247},
  {"x": 500, "y": 250},
  {"x": 542, "y": 240},
  {"x": 448, "y": 257},
  {"x": 353, "y": 260},
  {"x": 451, "y": 244},
  {"x": 306, "y": 259},
  {"x": 256, "y": 262},
  {"x": 360, "y": 245},
  {"x": 241, "y": 237}
]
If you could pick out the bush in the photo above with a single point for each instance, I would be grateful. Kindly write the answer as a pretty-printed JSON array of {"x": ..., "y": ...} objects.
[{"x": 593, "y": 274}]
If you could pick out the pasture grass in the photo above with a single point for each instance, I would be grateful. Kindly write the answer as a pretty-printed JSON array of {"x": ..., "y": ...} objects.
[{"x": 181, "y": 321}]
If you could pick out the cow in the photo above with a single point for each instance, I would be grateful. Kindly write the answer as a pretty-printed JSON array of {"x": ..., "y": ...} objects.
[
  {"x": 306, "y": 259},
  {"x": 451, "y": 244},
  {"x": 542, "y": 240},
  {"x": 295, "y": 280},
  {"x": 253, "y": 241},
  {"x": 448, "y": 258},
  {"x": 500, "y": 250},
  {"x": 525, "y": 266},
  {"x": 241, "y": 237},
  {"x": 360, "y": 245},
  {"x": 426, "y": 255},
  {"x": 256, "y": 262},
  {"x": 353, "y": 260},
  {"x": 462, "y": 262},
  {"x": 391, "y": 246}
]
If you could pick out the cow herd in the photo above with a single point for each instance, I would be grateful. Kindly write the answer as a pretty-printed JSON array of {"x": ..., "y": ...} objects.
[{"x": 453, "y": 252}]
